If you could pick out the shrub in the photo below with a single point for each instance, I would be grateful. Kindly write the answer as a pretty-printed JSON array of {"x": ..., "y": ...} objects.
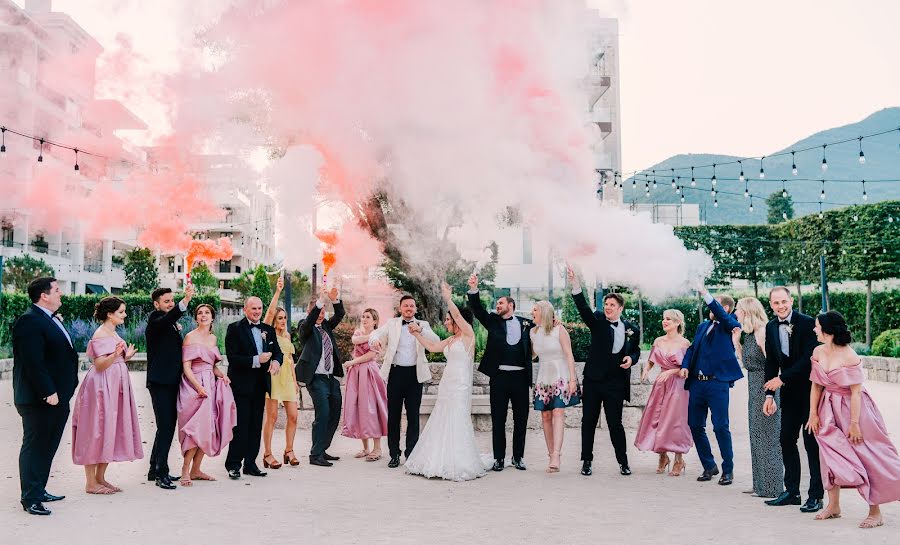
[{"x": 887, "y": 344}]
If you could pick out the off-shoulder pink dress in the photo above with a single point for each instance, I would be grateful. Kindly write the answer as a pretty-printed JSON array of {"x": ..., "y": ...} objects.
[
  {"x": 664, "y": 426},
  {"x": 365, "y": 401},
  {"x": 873, "y": 466},
  {"x": 205, "y": 422},
  {"x": 105, "y": 424}
]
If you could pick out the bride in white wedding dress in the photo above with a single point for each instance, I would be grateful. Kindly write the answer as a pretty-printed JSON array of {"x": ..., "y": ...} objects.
[{"x": 446, "y": 448}]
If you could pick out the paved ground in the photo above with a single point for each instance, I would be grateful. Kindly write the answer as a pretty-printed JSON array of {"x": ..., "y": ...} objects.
[{"x": 366, "y": 503}]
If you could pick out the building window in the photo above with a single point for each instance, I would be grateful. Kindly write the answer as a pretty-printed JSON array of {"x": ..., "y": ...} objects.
[
  {"x": 225, "y": 266},
  {"x": 8, "y": 233},
  {"x": 237, "y": 269},
  {"x": 171, "y": 264},
  {"x": 526, "y": 245}
]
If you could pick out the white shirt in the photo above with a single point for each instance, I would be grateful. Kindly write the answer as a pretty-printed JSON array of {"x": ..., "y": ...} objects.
[
  {"x": 618, "y": 331},
  {"x": 58, "y": 324},
  {"x": 783, "y": 335},
  {"x": 257, "y": 338},
  {"x": 405, "y": 356},
  {"x": 708, "y": 299}
]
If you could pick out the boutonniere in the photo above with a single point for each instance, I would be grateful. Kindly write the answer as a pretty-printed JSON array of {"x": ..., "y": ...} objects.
[
  {"x": 790, "y": 329},
  {"x": 178, "y": 326},
  {"x": 629, "y": 332},
  {"x": 263, "y": 333}
]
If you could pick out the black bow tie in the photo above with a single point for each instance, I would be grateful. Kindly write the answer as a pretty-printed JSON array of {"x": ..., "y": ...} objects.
[
  {"x": 56, "y": 315},
  {"x": 510, "y": 318},
  {"x": 257, "y": 326},
  {"x": 407, "y": 322},
  {"x": 784, "y": 322},
  {"x": 614, "y": 324}
]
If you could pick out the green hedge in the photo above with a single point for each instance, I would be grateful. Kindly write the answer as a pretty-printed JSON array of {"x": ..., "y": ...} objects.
[{"x": 887, "y": 344}]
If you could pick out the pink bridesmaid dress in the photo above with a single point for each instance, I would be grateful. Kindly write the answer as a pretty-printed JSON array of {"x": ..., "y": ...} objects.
[
  {"x": 365, "y": 405},
  {"x": 205, "y": 422},
  {"x": 105, "y": 424},
  {"x": 664, "y": 426},
  {"x": 872, "y": 467}
]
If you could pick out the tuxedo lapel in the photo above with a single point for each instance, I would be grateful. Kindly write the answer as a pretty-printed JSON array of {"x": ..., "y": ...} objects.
[
  {"x": 52, "y": 323},
  {"x": 245, "y": 326}
]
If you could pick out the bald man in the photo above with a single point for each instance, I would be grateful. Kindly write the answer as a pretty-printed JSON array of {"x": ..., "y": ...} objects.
[{"x": 253, "y": 357}]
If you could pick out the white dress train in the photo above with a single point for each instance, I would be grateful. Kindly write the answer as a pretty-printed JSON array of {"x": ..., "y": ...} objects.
[{"x": 446, "y": 449}]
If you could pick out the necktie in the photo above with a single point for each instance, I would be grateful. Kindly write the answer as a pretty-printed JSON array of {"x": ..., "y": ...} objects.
[{"x": 327, "y": 350}]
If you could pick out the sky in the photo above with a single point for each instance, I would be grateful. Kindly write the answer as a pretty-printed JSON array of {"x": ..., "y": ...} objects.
[{"x": 697, "y": 76}]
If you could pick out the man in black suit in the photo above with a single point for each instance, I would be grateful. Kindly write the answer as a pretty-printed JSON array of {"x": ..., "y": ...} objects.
[
  {"x": 253, "y": 357},
  {"x": 507, "y": 361},
  {"x": 615, "y": 347},
  {"x": 45, "y": 374},
  {"x": 320, "y": 362},
  {"x": 164, "y": 368},
  {"x": 790, "y": 341}
]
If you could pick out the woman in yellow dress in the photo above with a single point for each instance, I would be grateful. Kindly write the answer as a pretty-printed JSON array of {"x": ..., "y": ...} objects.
[{"x": 285, "y": 388}]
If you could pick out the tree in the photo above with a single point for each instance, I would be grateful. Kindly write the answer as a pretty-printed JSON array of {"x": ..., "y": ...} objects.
[
  {"x": 301, "y": 289},
  {"x": 141, "y": 275},
  {"x": 242, "y": 284},
  {"x": 781, "y": 207},
  {"x": 203, "y": 279},
  {"x": 261, "y": 286},
  {"x": 19, "y": 271}
]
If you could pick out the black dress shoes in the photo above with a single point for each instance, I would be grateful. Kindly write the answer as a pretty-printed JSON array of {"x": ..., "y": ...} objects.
[
  {"x": 234, "y": 474},
  {"x": 394, "y": 462},
  {"x": 726, "y": 479},
  {"x": 165, "y": 483},
  {"x": 331, "y": 458},
  {"x": 319, "y": 461},
  {"x": 36, "y": 508},
  {"x": 786, "y": 498},
  {"x": 254, "y": 472},
  {"x": 708, "y": 474},
  {"x": 624, "y": 469},
  {"x": 50, "y": 497},
  {"x": 151, "y": 477},
  {"x": 518, "y": 464},
  {"x": 498, "y": 465},
  {"x": 586, "y": 469},
  {"x": 812, "y": 505}
]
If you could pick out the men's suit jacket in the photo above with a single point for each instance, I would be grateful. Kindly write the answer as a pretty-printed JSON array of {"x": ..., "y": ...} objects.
[
  {"x": 495, "y": 349},
  {"x": 311, "y": 339},
  {"x": 44, "y": 362},
  {"x": 240, "y": 347},
  {"x": 602, "y": 364},
  {"x": 796, "y": 368},
  {"x": 389, "y": 335},
  {"x": 164, "y": 365},
  {"x": 713, "y": 352}
]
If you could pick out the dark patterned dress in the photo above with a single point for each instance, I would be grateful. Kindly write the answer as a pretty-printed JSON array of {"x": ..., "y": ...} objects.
[{"x": 765, "y": 447}]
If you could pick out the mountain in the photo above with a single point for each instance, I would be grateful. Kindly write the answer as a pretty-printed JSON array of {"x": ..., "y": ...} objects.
[{"x": 882, "y": 162}]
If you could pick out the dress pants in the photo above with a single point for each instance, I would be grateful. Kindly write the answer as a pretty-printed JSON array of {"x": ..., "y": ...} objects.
[
  {"x": 710, "y": 397},
  {"x": 597, "y": 394},
  {"x": 42, "y": 429},
  {"x": 244, "y": 446},
  {"x": 165, "y": 409},
  {"x": 509, "y": 387},
  {"x": 325, "y": 391},
  {"x": 403, "y": 388},
  {"x": 794, "y": 414}
]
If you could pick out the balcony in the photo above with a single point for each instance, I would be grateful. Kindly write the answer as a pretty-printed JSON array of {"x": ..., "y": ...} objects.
[{"x": 598, "y": 85}]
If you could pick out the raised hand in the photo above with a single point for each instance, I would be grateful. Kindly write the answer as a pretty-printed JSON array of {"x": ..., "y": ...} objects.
[
  {"x": 188, "y": 293},
  {"x": 473, "y": 282},
  {"x": 130, "y": 352},
  {"x": 333, "y": 295},
  {"x": 279, "y": 284},
  {"x": 446, "y": 292}
]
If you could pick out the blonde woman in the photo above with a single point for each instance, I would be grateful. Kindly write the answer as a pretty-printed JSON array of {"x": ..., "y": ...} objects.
[
  {"x": 664, "y": 426},
  {"x": 765, "y": 448},
  {"x": 285, "y": 388},
  {"x": 556, "y": 386}
]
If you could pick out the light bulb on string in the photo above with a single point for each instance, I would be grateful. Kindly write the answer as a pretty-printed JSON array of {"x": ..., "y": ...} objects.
[
  {"x": 751, "y": 204},
  {"x": 746, "y": 189},
  {"x": 716, "y": 203},
  {"x": 673, "y": 178},
  {"x": 865, "y": 197},
  {"x": 824, "y": 159},
  {"x": 784, "y": 216},
  {"x": 822, "y": 194},
  {"x": 77, "y": 168},
  {"x": 762, "y": 171},
  {"x": 855, "y": 217},
  {"x": 713, "y": 179},
  {"x": 793, "y": 164},
  {"x": 741, "y": 177},
  {"x": 783, "y": 189},
  {"x": 682, "y": 197},
  {"x": 821, "y": 214},
  {"x": 862, "y": 156},
  {"x": 41, "y": 152},
  {"x": 693, "y": 180},
  {"x": 3, "y": 141}
]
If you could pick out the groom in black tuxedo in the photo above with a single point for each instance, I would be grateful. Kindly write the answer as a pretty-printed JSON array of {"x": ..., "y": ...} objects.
[
  {"x": 790, "y": 341},
  {"x": 615, "y": 347},
  {"x": 164, "y": 369},
  {"x": 507, "y": 361},
  {"x": 45, "y": 374},
  {"x": 253, "y": 357},
  {"x": 320, "y": 362}
]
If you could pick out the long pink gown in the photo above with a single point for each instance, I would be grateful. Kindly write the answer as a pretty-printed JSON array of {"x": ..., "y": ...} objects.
[
  {"x": 365, "y": 400},
  {"x": 872, "y": 467},
  {"x": 205, "y": 422},
  {"x": 105, "y": 424},
  {"x": 664, "y": 426}
]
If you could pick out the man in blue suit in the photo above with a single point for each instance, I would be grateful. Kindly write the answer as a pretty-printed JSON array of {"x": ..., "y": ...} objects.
[{"x": 710, "y": 368}]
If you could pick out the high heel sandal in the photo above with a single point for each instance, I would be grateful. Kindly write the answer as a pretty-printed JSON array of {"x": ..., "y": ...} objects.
[
  {"x": 662, "y": 468},
  {"x": 374, "y": 456},
  {"x": 292, "y": 459},
  {"x": 553, "y": 468},
  {"x": 678, "y": 469},
  {"x": 274, "y": 464}
]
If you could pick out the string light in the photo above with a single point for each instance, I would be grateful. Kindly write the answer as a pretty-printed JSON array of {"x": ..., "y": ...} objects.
[
  {"x": 716, "y": 203},
  {"x": 746, "y": 189},
  {"x": 673, "y": 179},
  {"x": 41, "y": 152},
  {"x": 865, "y": 197},
  {"x": 751, "y": 203},
  {"x": 821, "y": 214},
  {"x": 793, "y": 164},
  {"x": 713, "y": 179},
  {"x": 783, "y": 189},
  {"x": 741, "y": 177},
  {"x": 693, "y": 180},
  {"x": 862, "y": 156},
  {"x": 824, "y": 159},
  {"x": 3, "y": 144},
  {"x": 762, "y": 172},
  {"x": 822, "y": 194},
  {"x": 77, "y": 168},
  {"x": 784, "y": 216}
]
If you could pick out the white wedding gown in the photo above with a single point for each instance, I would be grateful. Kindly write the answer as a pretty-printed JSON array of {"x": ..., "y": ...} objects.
[{"x": 446, "y": 448}]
